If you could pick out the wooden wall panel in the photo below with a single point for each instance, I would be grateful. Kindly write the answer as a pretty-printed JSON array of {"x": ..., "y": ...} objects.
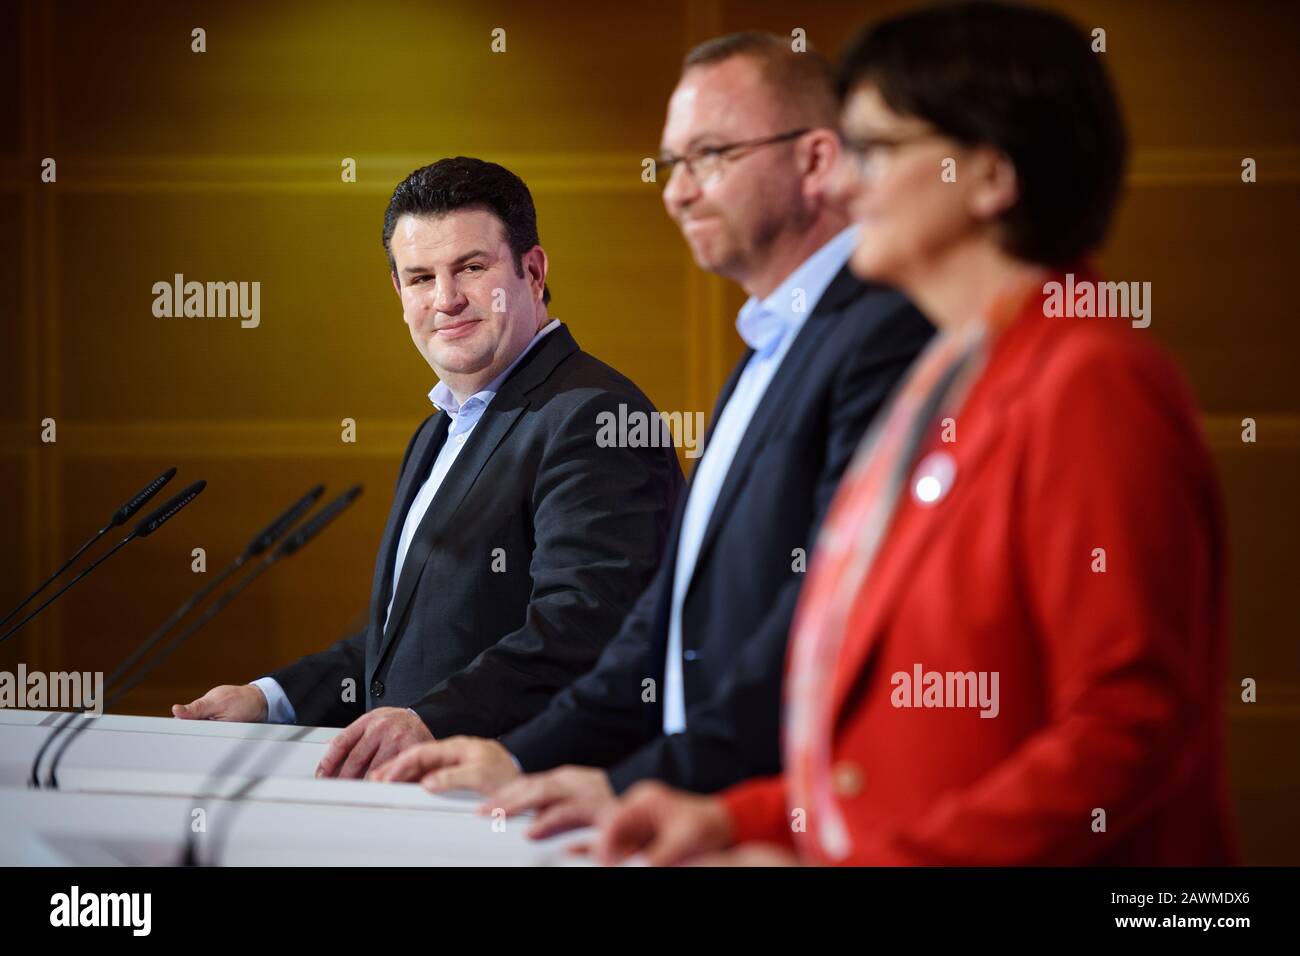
[
  {"x": 1217, "y": 256},
  {"x": 16, "y": 375},
  {"x": 352, "y": 79},
  {"x": 325, "y": 329},
  {"x": 635, "y": 316},
  {"x": 1265, "y": 781},
  {"x": 19, "y": 542},
  {"x": 1260, "y": 483}
]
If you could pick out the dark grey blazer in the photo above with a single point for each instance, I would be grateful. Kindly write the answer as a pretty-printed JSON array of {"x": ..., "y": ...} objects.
[{"x": 534, "y": 549}]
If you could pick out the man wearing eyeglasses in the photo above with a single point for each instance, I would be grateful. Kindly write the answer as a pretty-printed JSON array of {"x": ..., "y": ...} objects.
[{"x": 688, "y": 692}]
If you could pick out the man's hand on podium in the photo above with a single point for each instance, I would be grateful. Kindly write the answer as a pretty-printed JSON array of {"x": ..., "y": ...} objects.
[
  {"x": 457, "y": 763},
  {"x": 371, "y": 740},
  {"x": 565, "y": 798},
  {"x": 238, "y": 702}
]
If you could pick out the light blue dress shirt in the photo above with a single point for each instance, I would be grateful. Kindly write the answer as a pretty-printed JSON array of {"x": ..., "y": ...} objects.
[
  {"x": 464, "y": 416},
  {"x": 769, "y": 327}
]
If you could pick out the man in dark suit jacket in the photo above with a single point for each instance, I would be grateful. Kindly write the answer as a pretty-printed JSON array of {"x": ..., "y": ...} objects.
[
  {"x": 517, "y": 541},
  {"x": 689, "y": 691}
]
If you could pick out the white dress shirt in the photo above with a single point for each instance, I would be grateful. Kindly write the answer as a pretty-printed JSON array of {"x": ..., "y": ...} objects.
[{"x": 769, "y": 327}]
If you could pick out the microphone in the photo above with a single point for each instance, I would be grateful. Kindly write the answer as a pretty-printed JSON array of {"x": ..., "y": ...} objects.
[
  {"x": 256, "y": 547},
  {"x": 291, "y": 545},
  {"x": 120, "y": 517},
  {"x": 146, "y": 526}
]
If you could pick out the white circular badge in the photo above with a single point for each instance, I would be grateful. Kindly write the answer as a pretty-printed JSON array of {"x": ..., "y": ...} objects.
[{"x": 933, "y": 478}]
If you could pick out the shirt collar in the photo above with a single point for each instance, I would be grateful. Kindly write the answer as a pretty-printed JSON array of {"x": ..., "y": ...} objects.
[
  {"x": 764, "y": 323},
  {"x": 473, "y": 406}
]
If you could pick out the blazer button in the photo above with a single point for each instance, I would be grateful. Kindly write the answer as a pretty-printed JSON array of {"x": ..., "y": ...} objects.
[
  {"x": 689, "y": 655},
  {"x": 847, "y": 778},
  {"x": 376, "y": 688}
]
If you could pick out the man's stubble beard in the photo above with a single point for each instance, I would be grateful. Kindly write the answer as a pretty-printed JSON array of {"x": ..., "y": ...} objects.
[{"x": 752, "y": 256}]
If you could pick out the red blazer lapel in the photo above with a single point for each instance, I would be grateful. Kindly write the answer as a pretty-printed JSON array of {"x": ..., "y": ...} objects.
[{"x": 980, "y": 424}]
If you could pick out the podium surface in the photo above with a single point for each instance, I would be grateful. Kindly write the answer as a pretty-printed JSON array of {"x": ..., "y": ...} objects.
[{"x": 137, "y": 790}]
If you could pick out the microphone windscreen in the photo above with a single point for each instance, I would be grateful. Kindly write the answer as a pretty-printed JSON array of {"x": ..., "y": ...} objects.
[
  {"x": 124, "y": 513},
  {"x": 152, "y": 522},
  {"x": 317, "y": 522},
  {"x": 277, "y": 528}
]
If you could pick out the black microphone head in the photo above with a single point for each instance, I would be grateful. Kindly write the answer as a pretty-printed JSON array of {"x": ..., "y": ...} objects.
[
  {"x": 277, "y": 528},
  {"x": 317, "y": 522},
  {"x": 124, "y": 513},
  {"x": 152, "y": 522}
]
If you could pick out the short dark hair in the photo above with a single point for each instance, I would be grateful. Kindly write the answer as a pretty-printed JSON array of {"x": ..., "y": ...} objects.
[
  {"x": 462, "y": 182},
  {"x": 802, "y": 83},
  {"x": 1023, "y": 81}
]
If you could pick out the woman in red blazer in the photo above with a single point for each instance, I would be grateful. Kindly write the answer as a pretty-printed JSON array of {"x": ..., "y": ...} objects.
[{"x": 1010, "y": 647}]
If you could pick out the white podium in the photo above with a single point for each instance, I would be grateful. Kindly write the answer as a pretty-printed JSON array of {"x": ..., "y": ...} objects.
[{"x": 135, "y": 790}]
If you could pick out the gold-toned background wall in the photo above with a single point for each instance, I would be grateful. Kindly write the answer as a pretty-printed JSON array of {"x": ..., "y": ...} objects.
[{"x": 225, "y": 166}]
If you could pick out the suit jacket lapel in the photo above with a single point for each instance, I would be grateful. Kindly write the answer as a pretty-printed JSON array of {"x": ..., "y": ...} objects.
[
  {"x": 418, "y": 464},
  {"x": 893, "y": 569},
  {"x": 728, "y": 387},
  {"x": 769, "y": 413},
  {"x": 660, "y": 630}
]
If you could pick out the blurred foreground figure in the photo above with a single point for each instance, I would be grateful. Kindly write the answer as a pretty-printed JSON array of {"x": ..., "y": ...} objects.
[{"x": 1010, "y": 649}]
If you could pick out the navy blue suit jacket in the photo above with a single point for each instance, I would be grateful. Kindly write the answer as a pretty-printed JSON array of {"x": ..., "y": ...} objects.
[{"x": 852, "y": 350}]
